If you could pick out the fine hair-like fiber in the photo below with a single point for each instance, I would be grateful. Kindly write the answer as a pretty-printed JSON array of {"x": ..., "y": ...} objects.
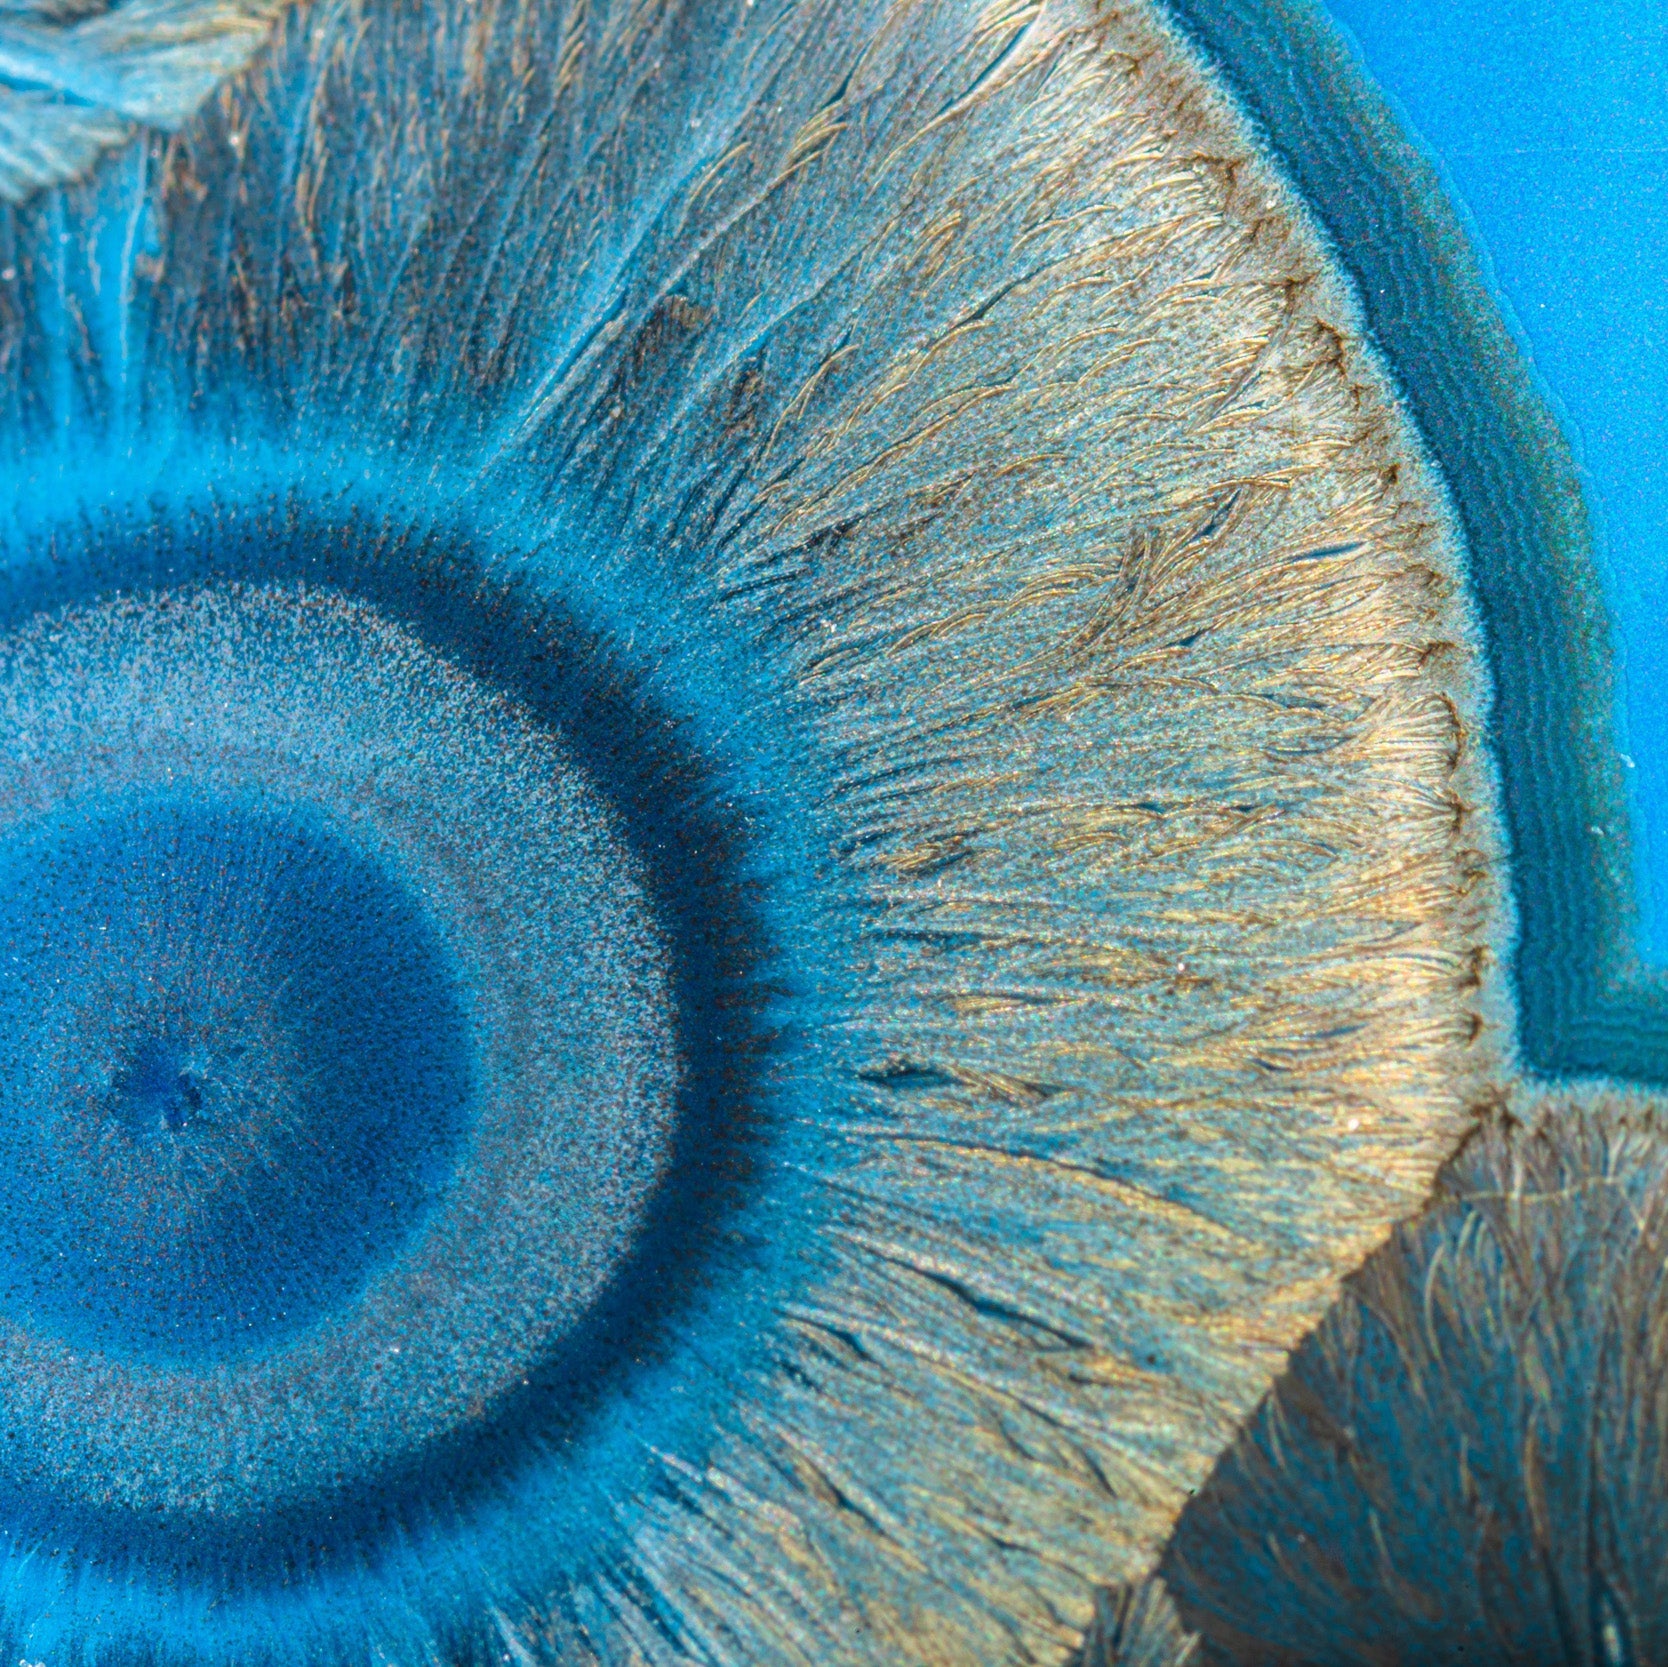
[
  {"x": 1465, "y": 1461},
  {"x": 916, "y": 470},
  {"x": 79, "y": 78}
]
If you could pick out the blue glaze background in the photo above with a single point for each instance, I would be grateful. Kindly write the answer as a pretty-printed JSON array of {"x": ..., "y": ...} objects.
[{"x": 1550, "y": 126}]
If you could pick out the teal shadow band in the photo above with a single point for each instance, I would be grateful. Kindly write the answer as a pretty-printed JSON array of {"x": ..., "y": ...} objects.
[{"x": 1587, "y": 1004}]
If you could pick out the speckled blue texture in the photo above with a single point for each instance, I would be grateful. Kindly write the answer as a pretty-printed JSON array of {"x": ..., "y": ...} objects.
[
  {"x": 382, "y": 1073},
  {"x": 242, "y": 1090},
  {"x": 782, "y": 667}
]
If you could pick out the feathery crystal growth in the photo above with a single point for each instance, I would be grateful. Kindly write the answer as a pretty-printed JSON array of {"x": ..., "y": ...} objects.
[
  {"x": 740, "y": 830},
  {"x": 1466, "y": 1462},
  {"x": 78, "y": 77}
]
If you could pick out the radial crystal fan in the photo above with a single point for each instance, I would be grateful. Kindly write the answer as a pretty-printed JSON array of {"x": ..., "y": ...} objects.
[
  {"x": 1466, "y": 1462},
  {"x": 1136, "y": 1625},
  {"x": 739, "y": 840},
  {"x": 76, "y": 76}
]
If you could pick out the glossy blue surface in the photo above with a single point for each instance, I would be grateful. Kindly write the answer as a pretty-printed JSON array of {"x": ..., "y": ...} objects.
[{"x": 1550, "y": 124}]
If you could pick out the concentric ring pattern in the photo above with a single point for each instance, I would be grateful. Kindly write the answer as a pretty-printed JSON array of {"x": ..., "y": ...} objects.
[
  {"x": 242, "y": 1055},
  {"x": 731, "y": 734}
]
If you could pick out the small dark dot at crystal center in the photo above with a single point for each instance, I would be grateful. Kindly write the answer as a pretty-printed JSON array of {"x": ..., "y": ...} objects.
[{"x": 160, "y": 1089}]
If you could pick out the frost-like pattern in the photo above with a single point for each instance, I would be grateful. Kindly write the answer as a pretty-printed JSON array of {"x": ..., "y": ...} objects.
[
  {"x": 78, "y": 77},
  {"x": 915, "y": 462}
]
